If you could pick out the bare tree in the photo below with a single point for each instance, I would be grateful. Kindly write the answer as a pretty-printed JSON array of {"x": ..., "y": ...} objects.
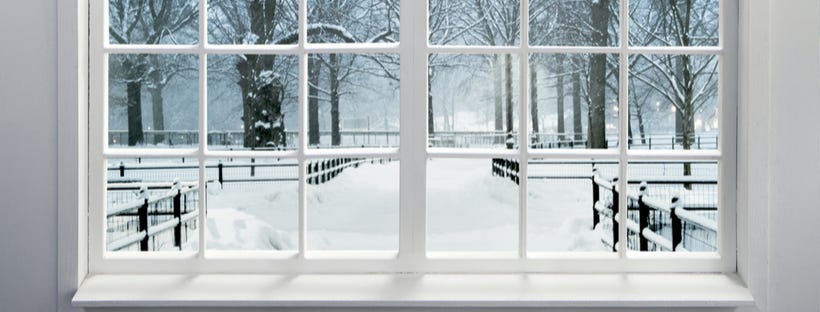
[
  {"x": 149, "y": 22},
  {"x": 361, "y": 21}
]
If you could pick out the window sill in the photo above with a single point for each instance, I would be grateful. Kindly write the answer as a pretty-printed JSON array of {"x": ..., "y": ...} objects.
[{"x": 412, "y": 290}]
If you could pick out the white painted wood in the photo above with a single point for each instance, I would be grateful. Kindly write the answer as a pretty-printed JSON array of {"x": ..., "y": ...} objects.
[
  {"x": 410, "y": 290},
  {"x": 414, "y": 50}
]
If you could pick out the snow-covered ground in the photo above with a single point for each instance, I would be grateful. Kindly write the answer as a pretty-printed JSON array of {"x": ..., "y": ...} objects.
[{"x": 468, "y": 209}]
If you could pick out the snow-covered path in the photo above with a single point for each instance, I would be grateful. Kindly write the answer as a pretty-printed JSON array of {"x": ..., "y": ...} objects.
[{"x": 468, "y": 210}]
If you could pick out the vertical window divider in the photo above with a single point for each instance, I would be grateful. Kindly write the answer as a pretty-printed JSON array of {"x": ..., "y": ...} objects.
[
  {"x": 408, "y": 99},
  {"x": 302, "y": 124},
  {"x": 523, "y": 117},
  {"x": 98, "y": 128},
  {"x": 203, "y": 124},
  {"x": 418, "y": 116},
  {"x": 623, "y": 131}
]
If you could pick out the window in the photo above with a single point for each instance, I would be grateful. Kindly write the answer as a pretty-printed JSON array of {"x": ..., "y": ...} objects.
[{"x": 328, "y": 136}]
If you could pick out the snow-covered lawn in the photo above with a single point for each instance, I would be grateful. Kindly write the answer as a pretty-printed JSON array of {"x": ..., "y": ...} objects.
[{"x": 468, "y": 209}]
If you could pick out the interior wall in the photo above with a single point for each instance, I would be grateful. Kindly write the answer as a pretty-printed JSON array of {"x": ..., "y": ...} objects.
[
  {"x": 28, "y": 163},
  {"x": 794, "y": 189}
]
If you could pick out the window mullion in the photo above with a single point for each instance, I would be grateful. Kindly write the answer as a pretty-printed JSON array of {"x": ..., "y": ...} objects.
[
  {"x": 413, "y": 148},
  {"x": 98, "y": 129},
  {"x": 623, "y": 133},
  {"x": 523, "y": 145},
  {"x": 203, "y": 123},
  {"x": 303, "y": 127}
]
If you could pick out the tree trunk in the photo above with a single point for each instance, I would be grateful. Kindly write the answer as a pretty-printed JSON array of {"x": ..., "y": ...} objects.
[
  {"x": 687, "y": 113},
  {"x": 498, "y": 79},
  {"x": 262, "y": 116},
  {"x": 314, "y": 136},
  {"x": 509, "y": 99},
  {"x": 678, "y": 126},
  {"x": 534, "y": 100},
  {"x": 134, "y": 103},
  {"x": 641, "y": 128},
  {"x": 247, "y": 88},
  {"x": 577, "y": 126},
  {"x": 559, "y": 96},
  {"x": 159, "y": 114},
  {"x": 336, "y": 137},
  {"x": 597, "y": 76},
  {"x": 430, "y": 117}
]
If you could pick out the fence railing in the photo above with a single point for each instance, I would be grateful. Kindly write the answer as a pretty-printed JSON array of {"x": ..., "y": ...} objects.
[
  {"x": 362, "y": 138},
  {"x": 654, "y": 223},
  {"x": 236, "y": 138},
  {"x": 318, "y": 171},
  {"x": 657, "y": 225},
  {"x": 141, "y": 220},
  {"x": 655, "y": 141},
  {"x": 139, "y": 212},
  {"x": 506, "y": 168}
]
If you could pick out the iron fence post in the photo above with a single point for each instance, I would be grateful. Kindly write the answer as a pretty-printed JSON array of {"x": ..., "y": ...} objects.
[
  {"x": 595, "y": 197},
  {"x": 676, "y": 222},
  {"x": 643, "y": 218},
  {"x": 253, "y": 167},
  {"x": 219, "y": 174},
  {"x": 178, "y": 216},
  {"x": 615, "y": 208},
  {"x": 142, "y": 211}
]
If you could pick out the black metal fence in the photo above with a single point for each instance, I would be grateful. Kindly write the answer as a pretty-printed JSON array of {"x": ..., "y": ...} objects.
[
  {"x": 654, "y": 224},
  {"x": 142, "y": 215},
  {"x": 659, "y": 219},
  {"x": 151, "y": 222},
  {"x": 506, "y": 168}
]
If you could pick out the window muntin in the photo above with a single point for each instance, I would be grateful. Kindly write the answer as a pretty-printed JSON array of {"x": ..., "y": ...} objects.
[{"x": 524, "y": 154}]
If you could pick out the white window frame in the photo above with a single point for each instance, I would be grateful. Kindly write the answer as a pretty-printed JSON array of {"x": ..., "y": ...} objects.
[
  {"x": 74, "y": 171},
  {"x": 413, "y": 154}
]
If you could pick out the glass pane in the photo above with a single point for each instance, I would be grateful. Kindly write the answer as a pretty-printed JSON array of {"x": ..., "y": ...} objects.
[
  {"x": 253, "y": 22},
  {"x": 473, "y": 101},
  {"x": 574, "y": 101},
  {"x": 153, "y": 22},
  {"x": 353, "y": 204},
  {"x": 334, "y": 21},
  {"x": 353, "y": 100},
  {"x": 673, "y": 23},
  {"x": 561, "y": 199},
  {"x": 153, "y": 101},
  {"x": 252, "y": 204},
  {"x": 146, "y": 195},
  {"x": 479, "y": 22},
  {"x": 472, "y": 205},
  {"x": 673, "y": 102},
  {"x": 252, "y": 102},
  {"x": 574, "y": 23},
  {"x": 691, "y": 189}
]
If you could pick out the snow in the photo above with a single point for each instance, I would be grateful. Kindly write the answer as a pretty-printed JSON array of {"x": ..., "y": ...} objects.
[
  {"x": 468, "y": 209},
  {"x": 262, "y": 124}
]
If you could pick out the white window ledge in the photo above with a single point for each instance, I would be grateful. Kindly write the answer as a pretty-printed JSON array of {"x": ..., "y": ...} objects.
[{"x": 410, "y": 290}]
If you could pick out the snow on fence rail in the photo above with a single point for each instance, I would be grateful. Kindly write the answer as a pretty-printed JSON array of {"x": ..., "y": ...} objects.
[
  {"x": 143, "y": 219},
  {"x": 136, "y": 217},
  {"x": 653, "y": 224},
  {"x": 322, "y": 171},
  {"x": 363, "y": 138},
  {"x": 506, "y": 168},
  {"x": 657, "y": 141},
  {"x": 651, "y": 232},
  {"x": 318, "y": 171}
]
